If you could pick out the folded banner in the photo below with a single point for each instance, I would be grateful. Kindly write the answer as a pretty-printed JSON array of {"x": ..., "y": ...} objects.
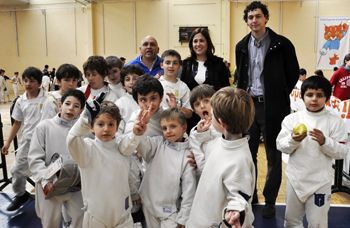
[{"x": 335, "y": 105}]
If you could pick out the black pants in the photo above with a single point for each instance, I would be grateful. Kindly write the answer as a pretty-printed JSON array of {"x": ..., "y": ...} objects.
[{"x": 273, "y": 156}]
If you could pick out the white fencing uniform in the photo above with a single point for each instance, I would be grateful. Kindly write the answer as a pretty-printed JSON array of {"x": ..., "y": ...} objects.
[
  {"x": 309, "y": 169},
  {"x": 105, "y": 179},
  {"x": 127, "y": 105},
  {"x": 227, "y": 182},
  {"x": 15, "y": 85},
  {"x": 118, "y": 89},
  {"x": 153, "y": 127},
  {"x": 45, "y": 83},
  {"x": 28, "y": 111},
  {"x": 91, "y": 93},
  {"x": 2, "y": 87},
  {"x": 50, "y": 107},
  {"x": 168, "y": 177},
  {"x": 49, "y": 138}
]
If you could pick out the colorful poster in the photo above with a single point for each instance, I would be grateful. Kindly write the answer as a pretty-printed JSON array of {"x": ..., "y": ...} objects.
[{"x": 333, "y": 42}]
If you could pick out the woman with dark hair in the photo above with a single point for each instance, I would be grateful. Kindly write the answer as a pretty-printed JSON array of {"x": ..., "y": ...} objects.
[
  {"x": 203, "y": 67},
  {"x": 340, "y": 80}
]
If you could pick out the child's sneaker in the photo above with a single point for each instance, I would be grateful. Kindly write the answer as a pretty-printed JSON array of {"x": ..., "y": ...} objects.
[
  {"x": 137, "y": 225},
  {"x": 18, "y": 201}
]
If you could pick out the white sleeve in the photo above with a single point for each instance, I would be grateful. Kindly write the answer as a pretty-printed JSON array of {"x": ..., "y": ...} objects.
[
  {"x": 148, "y": 147},
  {"x": 335, "y": 144},
  {"x": 129, "y": 142},
  {"x": 37, "y": 153},
  {"x": 188, "y": 187},
  {"x": 80, "y": 149},
  {"x": 238, "y": 191},
  {"x": 285, "y": 143},
  {"x": 49, "y": 109},
  {"x": 185, "y": 99},
  {"x": 130, "y": 124},
  {"x": 198, "y": 144}
]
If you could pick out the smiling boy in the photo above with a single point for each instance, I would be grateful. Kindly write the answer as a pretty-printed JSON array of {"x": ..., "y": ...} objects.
[
  {"x": 161, "y": 191},
  {"x": 148, "y": 93},
  {"x": 49, "y": 135},
  {"x": 177, "y": 93}
]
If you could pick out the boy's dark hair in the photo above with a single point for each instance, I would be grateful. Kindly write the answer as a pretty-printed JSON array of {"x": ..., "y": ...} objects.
[
  {"x": 53, "y": 69},
  {"x": 46, "y": 66},
  {"x": 201, "y": 91},
  {"x": 253, "y": 6},
  {"x": 97, "y": 63},
  {"x": 319, "y": 73},
  {"x": 79, "y": 95},
  {"x": 32, "y": 72},
  {"x": 114, "y": 61},
  {"x": 130, "y": 69},
  {"x": 174, "y": 114},
  {"x": 302, "y": 71},
  {"x": 122, "y": 58},
  {"x": 210, "y": 50},
  {"x": 171, "y": 52},
  {"x": 346, "y": 58},
  {"x": 316, "y": 82},
  {"x": 335, "y": 68},
  {"x": 145, "y": 84},
  {"x": 108, "y": 107},
  {"x": 68, "y": 71},
  {"x": 16, "y": 72},
  {"x": 235, "y": 108}
]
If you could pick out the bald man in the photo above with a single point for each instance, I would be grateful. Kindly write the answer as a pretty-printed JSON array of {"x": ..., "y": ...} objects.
[{"x": 149, "y": 60}]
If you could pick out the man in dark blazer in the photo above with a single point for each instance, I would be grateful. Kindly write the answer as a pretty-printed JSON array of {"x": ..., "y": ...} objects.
[{"x": 268, "y": 69}]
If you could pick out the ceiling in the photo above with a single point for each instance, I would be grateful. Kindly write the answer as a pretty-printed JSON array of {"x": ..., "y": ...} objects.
[{"x": 49, "y": 2}]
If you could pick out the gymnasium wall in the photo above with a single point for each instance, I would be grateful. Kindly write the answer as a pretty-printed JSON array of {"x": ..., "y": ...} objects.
[{"x": 117, "y": 28}]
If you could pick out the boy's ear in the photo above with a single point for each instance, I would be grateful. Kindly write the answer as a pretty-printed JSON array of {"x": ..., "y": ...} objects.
[
  {"x": 81, "y": 110},
  {"x": 92, "y": 128},
  {"x": 161, "y": 65},
  {"x": 184, "y": 127},
  {"x": 60, "y": 106},
  {"x": 222, "y": 124}
]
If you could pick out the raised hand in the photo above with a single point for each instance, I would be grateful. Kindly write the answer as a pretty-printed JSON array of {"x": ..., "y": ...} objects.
[
  {"x": 140, "y": 125},
  {"x": 149, "y": 109},
  {"x": 204, "y": 125},
  {"x": 92, "y": 108},
  {"x": 171, "y": 101}
]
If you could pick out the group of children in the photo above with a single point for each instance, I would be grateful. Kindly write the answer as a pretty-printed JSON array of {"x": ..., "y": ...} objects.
[{"x": 128, "y": 137}]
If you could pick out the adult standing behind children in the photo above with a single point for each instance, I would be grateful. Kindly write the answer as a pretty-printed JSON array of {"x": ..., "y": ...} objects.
[
  {"x": 203, "y": 67},
  {"x": 268, "y": 69},
  {"x": 149, "y": 61}
]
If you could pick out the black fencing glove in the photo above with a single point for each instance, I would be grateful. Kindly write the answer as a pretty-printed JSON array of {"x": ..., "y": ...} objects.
[{"x": 92, "y": 108}]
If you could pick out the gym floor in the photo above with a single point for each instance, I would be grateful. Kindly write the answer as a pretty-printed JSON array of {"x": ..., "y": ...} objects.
[{"x": 26, "y": 217}]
